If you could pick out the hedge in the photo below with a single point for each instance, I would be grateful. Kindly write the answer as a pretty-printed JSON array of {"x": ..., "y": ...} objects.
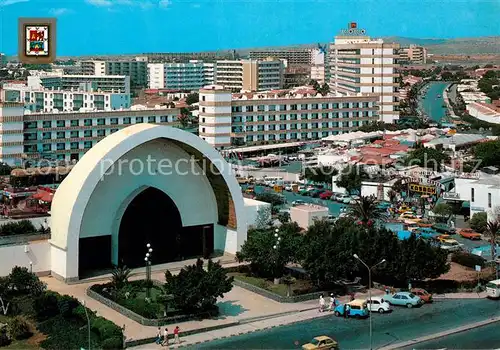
[{"x": 468, "y": 259}]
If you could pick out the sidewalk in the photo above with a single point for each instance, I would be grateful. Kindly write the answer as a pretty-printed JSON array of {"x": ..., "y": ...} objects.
[
  {"x": 472, "y": 295},
  {"x": 245, "y": 326}
]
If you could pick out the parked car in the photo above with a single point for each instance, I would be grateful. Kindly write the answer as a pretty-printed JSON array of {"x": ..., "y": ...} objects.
[
  {"x": 443, "y": 228},
  {"x": 356, "y": 308},
  {"x": 326, "y": 195},
  {"x": 422, "y": 294},
  {"x": 404, "y": 299},
  {"x": 469, "y": 234},
  {"x": 451, "y": 245},
  {"x": 336, "y": 195},
  {"x": 442, "y": 238},
  {"x": 403, "y": 209},
  {"x": 298, "y": 202},
  {"x": 378, "y": 304},
  {"x": 410, "y": 216},
  {"x": 322, "y": 342},
  {"x": 316, "y": 193}
]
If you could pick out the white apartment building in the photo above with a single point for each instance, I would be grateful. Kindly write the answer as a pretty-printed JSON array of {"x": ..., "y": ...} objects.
[
  {"x": 57, "y": 79},
  {"x": 485, "y": 197},
  {"x": 360, "y": 64},
  {"x": 318, "y": 66},
  {"x": 95, "y": 67},
  {"x": 250, "y": 75},
  {"x": 57, "y": 100},
  {"x": 65, "y": 135},
  {"x": 227, "y": 119},
  {"x": 294, "y": 57},
  {"x": 180, "y": 76},
  {"x": 136, "y": 69}
]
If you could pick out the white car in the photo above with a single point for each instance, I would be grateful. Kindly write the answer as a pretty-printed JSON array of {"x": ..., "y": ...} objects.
[
  {"x": 344, "y": 199},
  {"x": 288, "y": 187},
  {"x": 298, "y": 202},
  {"x": 378, "y": 304},
  {"x": 451, "y": 245}
]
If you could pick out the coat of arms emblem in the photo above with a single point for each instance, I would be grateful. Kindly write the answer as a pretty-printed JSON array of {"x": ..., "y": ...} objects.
[{"x": 37, "y": 40}]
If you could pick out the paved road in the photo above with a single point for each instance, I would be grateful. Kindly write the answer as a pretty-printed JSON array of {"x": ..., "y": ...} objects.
[
  {"x": 402, "y": 325},
  {"x": 486, "y": 337}
]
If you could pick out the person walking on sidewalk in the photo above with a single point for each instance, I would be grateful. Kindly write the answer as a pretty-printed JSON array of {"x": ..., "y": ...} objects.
[
  {"x": 158, "y": 336},
  {"x": 176, "y": 335},
  {"x": 165, "y": 337},
  {"x": 321, "y": 303}
]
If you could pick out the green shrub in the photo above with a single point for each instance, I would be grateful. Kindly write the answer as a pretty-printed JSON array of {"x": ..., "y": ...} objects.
[
  {"x": 478, "y": 222},
  {"x": 63, "y": 333},
  {"x": 19, "y": 328},
  {"x": 141, "y": 307},
  {"x": 66, "y": 304},
  {"x": 104, "y": 328},
  {"x": 112, "y": 343},
  {"x": 4, "y": 337},
  {"x": 17, "y": 228},
  {"x": 467, "y": 259},
  {"x": 46, "y": 305}
]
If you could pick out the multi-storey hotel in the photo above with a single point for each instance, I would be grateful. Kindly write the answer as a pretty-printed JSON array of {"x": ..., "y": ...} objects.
[
  {"x": 360, "y": 64},
  {"x": 227, "y": 119},
  {"x": 136, "y": 70},
  {"x": 57, "y": 100},
  {"x": 250, "y": 75},
  {"x": 65, "y": 136},
  {"x": 294, "y": 57},
  {"x": 180, "y": 76},
  {"x": 57, "y": 79}
]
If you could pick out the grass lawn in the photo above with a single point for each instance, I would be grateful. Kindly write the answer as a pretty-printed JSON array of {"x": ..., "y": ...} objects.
[{"x": 298, "y": 288}]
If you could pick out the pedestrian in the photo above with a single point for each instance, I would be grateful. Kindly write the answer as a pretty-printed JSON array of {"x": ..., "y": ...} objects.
[
  {"x": 332, "y": 302},
  {"x": 165, "y": 337},
  {"x": 158, "y": 336},
  {"x": 176, "y": 335},
  {"x": 352, "y": 296},
  {"x": 321, "y": 303}
]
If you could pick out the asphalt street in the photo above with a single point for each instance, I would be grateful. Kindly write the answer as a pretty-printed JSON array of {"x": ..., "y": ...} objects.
[{"x": 402, "y": 325}]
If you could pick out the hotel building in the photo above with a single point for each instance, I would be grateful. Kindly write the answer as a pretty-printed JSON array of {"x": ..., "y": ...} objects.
[
  {"x": 65, "y": 136},
  {"x": 57, "y": 100},
  {"x": 136, "y": 69},
  {"x": 294, "y": 57},
  {"x": 227, "y": 119},
  {"x": 57, "y": 79},
  {"x": 250, "y": 75},
  {"x": 180, "y": 76},
  {"x": 360, "y": 64}
]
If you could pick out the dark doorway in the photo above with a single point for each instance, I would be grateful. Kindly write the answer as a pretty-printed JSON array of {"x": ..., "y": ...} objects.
[
  {"x": 197, "y": 241},
  {"x": 94, "y": 254},
  {"x": 152, "y": 217}
]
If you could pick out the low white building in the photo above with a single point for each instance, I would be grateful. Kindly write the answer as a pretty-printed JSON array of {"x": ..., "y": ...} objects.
[
  {"x": 305, "y": 215},
  {"x": 485, "y": 197},
  {"x": 254, "y": 208}
]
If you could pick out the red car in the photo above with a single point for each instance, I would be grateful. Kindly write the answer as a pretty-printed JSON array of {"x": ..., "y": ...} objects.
[
  {"x": 326, "y": 195},
  {"x": 469, "y": 234}
]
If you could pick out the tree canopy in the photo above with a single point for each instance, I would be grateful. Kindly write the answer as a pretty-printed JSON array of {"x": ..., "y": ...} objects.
[
  {"x": 366, "y": 210},
  {"x": 351, "y": 178},
  {"x": 320, "y": 174},
  {"x": 427, "y": 158},
  {"x": 487, "y": 153}
]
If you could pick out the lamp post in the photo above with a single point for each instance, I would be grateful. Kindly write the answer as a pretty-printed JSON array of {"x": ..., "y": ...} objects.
[
  {"x": 31, "y": 266},
  {"x": 147, "y": 259},
  {"x": 276, "y": 247},
  {"x": 369, "y": 292},
  {"x": 88, "y": 320}
]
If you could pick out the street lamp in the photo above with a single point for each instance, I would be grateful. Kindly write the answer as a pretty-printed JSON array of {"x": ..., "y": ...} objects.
[
  {"x": 147, "y": 259},
  {"x": 369, "y": 292},
  {"x": 276, "y": 247},
  {"x": 88, "y": 320}
]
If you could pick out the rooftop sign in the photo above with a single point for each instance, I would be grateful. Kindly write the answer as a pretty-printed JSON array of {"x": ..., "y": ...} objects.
[{"x": 352, "y": 30}]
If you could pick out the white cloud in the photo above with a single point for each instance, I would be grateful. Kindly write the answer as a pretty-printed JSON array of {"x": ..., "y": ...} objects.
[
  {"x": 10, "y": 2},
  {"x": 101, "y": 3},
  {"x": 59, "y": 11},
  {"x": 164, "y": 3}
]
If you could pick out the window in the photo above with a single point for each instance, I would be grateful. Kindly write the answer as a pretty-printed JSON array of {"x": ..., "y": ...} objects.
[
  {"x": 101, "y": 132},
  {"x": 126, "y": 120},
  {"x": 139, "y": 119},
  {"x": 87, "y": 144},
  {"x": 61, "y": 146},
  {"x": 101, "y": 121},
  {"x": 489, "y": 200},
  {"x": 249, "y": 109},
  {"x": 60, "y": 123},
  {"x": 87, "y": 122},
  {"x": 113, "y": 130},
  {"x": 472, "y": 195},
  {"x": 74, "y": 145},
  {"x": 164, "y": 119},
  {"x": 60, "y": 134},
  {"x": 46, "y": 135},
  {"x": 73, "y": 134},
  {"x": 113, "y": 121},
  {"x": 87, "y": 133},
  {"x": 47, "y": 124},
  {"x": 282, "y": 107},
  {"x": 151, "y": 119},
  {"x": 74, "y": 122},
  {"x": 203, "y": 98}
]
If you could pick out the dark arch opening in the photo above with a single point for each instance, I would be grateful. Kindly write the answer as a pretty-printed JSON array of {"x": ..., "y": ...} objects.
[{"x": 152, "y": 217}]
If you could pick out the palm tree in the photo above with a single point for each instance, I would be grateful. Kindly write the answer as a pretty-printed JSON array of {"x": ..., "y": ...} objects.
[
  {"x": 120, "y": 275},
  {"x": 366, "y": 210},
  {"x": 493, "y": 229}
]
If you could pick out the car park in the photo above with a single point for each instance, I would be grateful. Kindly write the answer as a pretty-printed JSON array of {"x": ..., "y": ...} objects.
[
  {"x": 378, "y": 304},
  {"x": 404, "y": 299}
]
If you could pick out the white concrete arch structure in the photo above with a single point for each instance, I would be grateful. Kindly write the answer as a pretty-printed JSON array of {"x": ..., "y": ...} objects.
[{"x": 91, "y": 201}]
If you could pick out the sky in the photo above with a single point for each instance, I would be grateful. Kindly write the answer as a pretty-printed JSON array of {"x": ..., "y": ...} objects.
[{"x": 93, "y": 27}]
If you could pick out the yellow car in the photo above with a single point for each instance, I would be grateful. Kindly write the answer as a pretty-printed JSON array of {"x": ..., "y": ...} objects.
[
  {"x": 409, "y": 216},
  {"x": 321, "y": 342}
]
